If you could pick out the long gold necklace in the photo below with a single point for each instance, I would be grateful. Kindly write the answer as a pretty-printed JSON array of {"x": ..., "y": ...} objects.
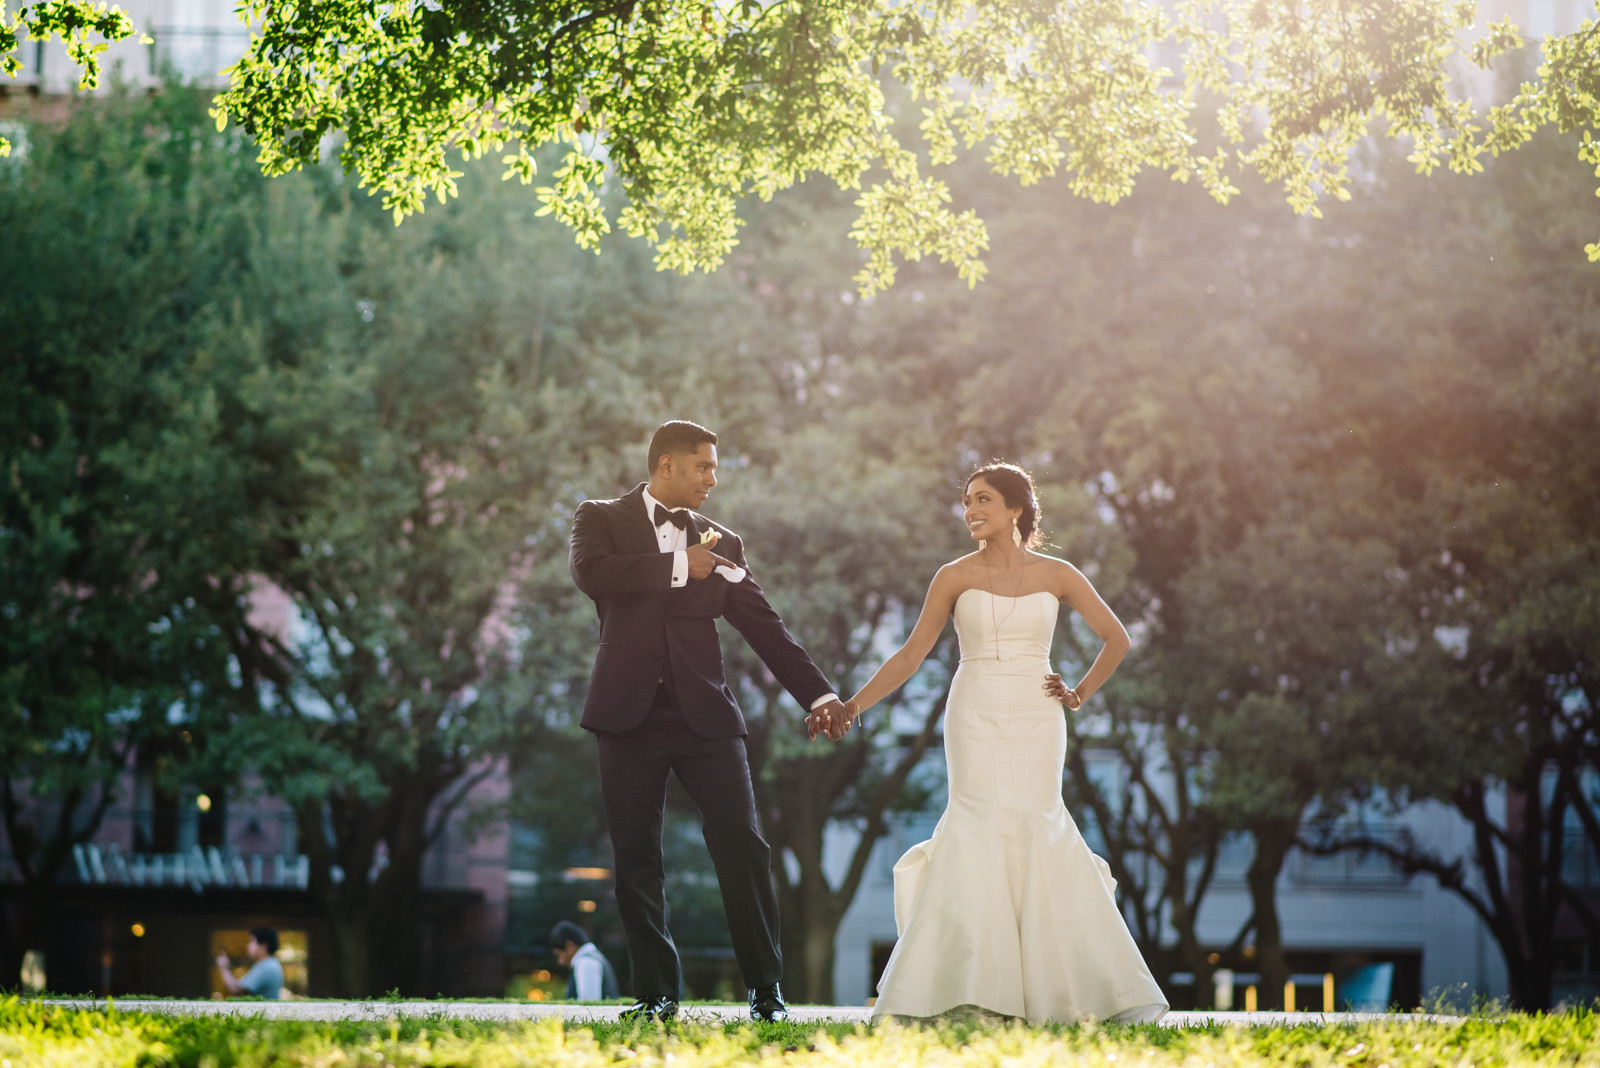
[{"x": 994, "y": 619}]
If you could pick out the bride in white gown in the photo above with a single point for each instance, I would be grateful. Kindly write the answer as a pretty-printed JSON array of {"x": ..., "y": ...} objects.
[{"x": 1005, "y": 909}]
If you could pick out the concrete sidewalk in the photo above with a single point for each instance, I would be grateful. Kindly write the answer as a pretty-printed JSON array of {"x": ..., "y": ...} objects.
[{"x": 518, "y": 1010}]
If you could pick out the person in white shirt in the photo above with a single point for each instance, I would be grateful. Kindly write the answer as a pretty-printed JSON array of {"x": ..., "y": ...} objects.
[{"x": 592, "y": 977}]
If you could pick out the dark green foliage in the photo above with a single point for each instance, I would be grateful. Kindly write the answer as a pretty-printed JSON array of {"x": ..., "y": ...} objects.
[{"x": 128, "y": 495}]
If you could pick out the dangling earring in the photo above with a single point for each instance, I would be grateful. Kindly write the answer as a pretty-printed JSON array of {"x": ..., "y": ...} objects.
[{"x": 1016, "y": 534}]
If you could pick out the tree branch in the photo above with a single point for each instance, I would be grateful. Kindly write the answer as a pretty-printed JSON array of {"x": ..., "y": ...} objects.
[{"x": 448, "y": 805}]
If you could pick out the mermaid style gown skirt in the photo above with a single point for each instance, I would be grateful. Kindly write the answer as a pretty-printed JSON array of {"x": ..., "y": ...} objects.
[{"x": 1005, "y": 909}]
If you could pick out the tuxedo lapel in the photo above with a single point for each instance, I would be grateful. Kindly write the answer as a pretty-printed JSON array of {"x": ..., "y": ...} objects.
[
  {"x": 637, "y": 534},
  {"x": 698, "y": 525}
]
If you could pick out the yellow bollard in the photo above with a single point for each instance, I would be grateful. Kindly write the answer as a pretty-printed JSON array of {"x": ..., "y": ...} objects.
[
  {"x": 1288, "y": 996},
  {"x": 1250, "y": 998},
  {"x": 1327, "y": 992}
]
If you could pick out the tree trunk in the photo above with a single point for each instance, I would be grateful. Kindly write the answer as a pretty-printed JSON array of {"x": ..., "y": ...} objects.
[
  {"x": 376, "y": 925},
  {"x": 14, "y": 927},
  {"x": 1523, "y": 929},
  {"x": 1273, "y": 838},
  {"x": 397, "y": 905},
  {"x": 352, "y": 950},
  {"x": 1190, "y": 955},
  {"x": 810, "y": 920},
  {"x": 1186, "y": 841},
  {"x": 1537, "y": 865},
  {"x": 815, "y": 971},
  {"x": 1531, "y": 986},
  {"x": 395, "y": 934},
  {"x": 345, "y": 904},
  {"x": 23, "y": 921},
  {"x": 1190, "y": 836}
]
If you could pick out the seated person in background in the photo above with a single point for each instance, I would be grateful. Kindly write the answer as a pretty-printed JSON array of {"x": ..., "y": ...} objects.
[
  {"x": 265, "y": 977},
  {"x": 592, "y": 977}
]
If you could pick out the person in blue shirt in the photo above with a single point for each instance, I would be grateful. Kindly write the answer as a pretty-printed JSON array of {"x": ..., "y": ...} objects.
[{"x": 265, "y": 977}]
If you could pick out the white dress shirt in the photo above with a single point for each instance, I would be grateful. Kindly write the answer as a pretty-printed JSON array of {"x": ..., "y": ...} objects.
[
  {"x": 587, "y": 972},
  {"x": 670, "y": 538}
]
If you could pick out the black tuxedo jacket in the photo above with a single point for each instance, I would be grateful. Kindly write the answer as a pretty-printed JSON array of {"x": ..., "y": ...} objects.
[{"x": 616, "y": 560}]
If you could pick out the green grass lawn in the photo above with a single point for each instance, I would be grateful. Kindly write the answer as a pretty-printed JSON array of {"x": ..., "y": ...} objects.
[{"x": 32, "y": 1034}]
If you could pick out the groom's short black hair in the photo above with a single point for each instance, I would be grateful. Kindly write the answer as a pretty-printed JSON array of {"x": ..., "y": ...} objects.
[{"x": 675, "y": 437}]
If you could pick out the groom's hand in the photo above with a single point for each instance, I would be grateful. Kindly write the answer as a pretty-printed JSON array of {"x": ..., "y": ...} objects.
[
  {"x": 832, "y": 718},
  {"x": 817, "y": 721},
  {"x": 702, "y": 561}
]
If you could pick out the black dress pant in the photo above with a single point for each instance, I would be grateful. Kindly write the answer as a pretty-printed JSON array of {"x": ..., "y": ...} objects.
[{"x": 716, "y": 774}]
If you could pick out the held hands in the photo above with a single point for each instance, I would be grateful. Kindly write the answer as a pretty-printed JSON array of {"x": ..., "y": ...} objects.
[
  {"x": 702, "y": 561},
  {"x": 832, "y": 719},
  {"x": 1056, "y": 687}
]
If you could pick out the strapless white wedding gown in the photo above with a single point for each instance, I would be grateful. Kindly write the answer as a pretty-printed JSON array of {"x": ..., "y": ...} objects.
[{"x": 1005, "y": 908}]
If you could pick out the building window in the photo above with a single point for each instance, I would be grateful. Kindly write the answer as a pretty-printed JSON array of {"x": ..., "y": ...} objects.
[
  {"x": 1351, "y": 867},
  {"x": 1580, "y": 867}
]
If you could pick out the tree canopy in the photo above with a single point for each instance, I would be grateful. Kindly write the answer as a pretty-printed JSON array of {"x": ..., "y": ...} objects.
[{"x": 689, "y": 106}]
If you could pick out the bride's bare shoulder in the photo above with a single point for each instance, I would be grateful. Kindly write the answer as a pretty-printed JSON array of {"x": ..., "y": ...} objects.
[
  {"x": 957, "y": 575},
  {"x": 964, "y": 568},
  {"x": 1063, "y": 576},
  {"x": 949, "y": 582}
]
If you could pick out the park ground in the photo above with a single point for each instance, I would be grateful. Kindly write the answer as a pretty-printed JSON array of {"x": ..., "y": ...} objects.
[{"x": 88, "y": 1034}]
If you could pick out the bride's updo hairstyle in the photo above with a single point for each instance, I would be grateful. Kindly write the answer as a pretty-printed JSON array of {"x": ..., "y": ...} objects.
[{"x": 1016, "y": 487}]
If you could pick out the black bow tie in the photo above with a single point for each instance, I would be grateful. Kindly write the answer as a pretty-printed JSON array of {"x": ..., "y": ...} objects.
[{"x": 678, "y": 517}]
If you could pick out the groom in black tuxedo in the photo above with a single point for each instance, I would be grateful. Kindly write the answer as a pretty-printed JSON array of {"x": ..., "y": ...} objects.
[{"x": 658, "y": 701}]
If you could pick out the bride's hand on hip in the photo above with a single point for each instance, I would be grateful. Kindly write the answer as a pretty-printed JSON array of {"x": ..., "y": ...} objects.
[{"x": 1057, "y": 687}]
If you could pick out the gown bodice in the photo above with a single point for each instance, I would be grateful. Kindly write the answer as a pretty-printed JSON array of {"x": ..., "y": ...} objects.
[{"x": 1011, "y": 632}]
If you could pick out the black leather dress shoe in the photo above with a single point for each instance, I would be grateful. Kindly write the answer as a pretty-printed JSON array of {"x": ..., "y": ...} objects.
[
  {"x": 646, "y": 1009},
  {"x": 766, "y": 1003}
]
